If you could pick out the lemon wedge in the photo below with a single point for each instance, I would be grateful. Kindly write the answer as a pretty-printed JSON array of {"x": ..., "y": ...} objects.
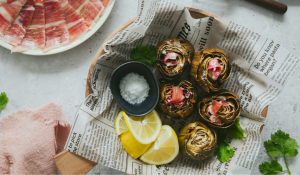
[
  {"x": 145, "y": 129},
  {"x": 120, "y": 124},
  {"x": 134, "y": 148},
  {"x": 164, "y": 149}
]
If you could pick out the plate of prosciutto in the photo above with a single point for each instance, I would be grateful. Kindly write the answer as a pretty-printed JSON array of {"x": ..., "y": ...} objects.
[{"x": 46, "y": 27}]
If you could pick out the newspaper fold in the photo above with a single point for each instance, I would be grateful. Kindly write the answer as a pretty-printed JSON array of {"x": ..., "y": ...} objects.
[{"x": 261, "y": 68}]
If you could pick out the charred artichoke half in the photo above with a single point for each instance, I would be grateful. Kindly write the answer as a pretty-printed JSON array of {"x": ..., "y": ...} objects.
[
  {"x": 173, "y": 57},
  {"x": 221, "y": 109},
  {"x": 210, "y": 68},
  {"x": 177, "y": 100},
  {"x": 197, "y": 141}
]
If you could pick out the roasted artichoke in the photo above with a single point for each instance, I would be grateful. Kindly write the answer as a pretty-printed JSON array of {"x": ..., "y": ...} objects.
[
  {"x": 197, "y": 141},
  {"x": 210, "y": 68},
  {"x": 173, "y": 57},
  {"x": 177, "y": 101},
  {"x": 220, "y": 110}
]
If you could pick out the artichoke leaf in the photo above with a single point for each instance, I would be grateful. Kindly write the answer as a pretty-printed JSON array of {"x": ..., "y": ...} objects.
[
  {"x": 179, "y": 109},
  {"x": 197, "y": 141},
  {"x": 203, "y": 76},
  {"x": 184, "y": 52},
  {"x": 226, "y": 115}
]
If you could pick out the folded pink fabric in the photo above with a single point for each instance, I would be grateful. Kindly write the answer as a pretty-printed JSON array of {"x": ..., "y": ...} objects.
[{"x": 31, "y": 138}]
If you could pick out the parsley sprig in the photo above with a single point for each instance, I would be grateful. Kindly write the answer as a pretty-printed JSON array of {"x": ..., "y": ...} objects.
[
  {"x": 144, "y": 54},
  {"x": 235, "y": 131},
  {"x": 3, "y": 100},
  {"x": 280, "y": 143},
  {"x": 223, "y": 151}
]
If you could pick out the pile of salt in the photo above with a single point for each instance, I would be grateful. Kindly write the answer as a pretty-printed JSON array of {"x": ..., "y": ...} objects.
[{"x": 134, "y": 88}]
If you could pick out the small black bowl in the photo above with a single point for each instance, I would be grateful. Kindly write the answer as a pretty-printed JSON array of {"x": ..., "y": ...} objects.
[{"x": 149, "y": 103}]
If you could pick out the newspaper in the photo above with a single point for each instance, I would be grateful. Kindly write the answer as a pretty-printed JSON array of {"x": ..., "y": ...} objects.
[{"x": 261, "y": 68}]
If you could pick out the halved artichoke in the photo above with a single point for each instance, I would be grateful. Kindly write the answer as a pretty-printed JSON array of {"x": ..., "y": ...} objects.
[
  {"x": 177, "y": 100},
  {"x": 221, "y": 109},
  {"x": 197, "y": 141},
  {"x": 210, "y": 68},
  {"x": 173, "y": 57}
]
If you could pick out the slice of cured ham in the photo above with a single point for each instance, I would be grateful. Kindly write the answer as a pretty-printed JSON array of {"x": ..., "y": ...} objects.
[
  {"x": 57, "y": 34},
  {"x": 16, "y": 32},
  {"x": 105, "y": 2},
  {"x": 6, "y": 1},
  {"x": 98, "y": 4},
  {"x": 8, "y": 13},
  {"x": 87, "y": 10},
  {"x": 177, "y": 93},
  {"x": 76, "y": 25},
  {"x": 215, "y": 68},
  {"x": 170, "y": 59},
  {"x": 30, "y": 3},
  {"x": 35, "y": 34}
]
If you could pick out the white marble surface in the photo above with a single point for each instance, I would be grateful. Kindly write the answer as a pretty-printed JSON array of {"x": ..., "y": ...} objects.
[{"x": 34, "y": 81}]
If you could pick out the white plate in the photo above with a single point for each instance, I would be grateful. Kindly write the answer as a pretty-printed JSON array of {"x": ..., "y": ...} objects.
[{"x": 39, "y": 52}]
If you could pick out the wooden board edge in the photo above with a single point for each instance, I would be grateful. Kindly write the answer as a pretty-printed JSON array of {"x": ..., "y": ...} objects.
[
  {"x": 263, "y": 114},
  {"x": 71, "y": 163},
  {"x": 197, "y": 13}
]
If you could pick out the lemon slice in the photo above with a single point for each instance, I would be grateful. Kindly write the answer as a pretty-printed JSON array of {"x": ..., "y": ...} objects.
[
  {"x": 134, "y": 148},
  {"x": 164, "y": 149},
  {"x": 145, "y": 129},
  {"x": 120, "y": 124}
]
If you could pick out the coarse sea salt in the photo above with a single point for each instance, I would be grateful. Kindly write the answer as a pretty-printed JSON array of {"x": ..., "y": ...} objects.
[{"x": 134, "y": 88}]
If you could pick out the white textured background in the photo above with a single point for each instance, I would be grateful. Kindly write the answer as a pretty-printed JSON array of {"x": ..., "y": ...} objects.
[{"x": 34, "y": 81}]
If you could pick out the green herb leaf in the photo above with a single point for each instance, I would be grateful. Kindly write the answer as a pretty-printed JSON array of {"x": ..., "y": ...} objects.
[
  {"x": 290, "y": 147},
  {"x": 272, "y": 148},
  {"x": 223, "y": 151},
  {"x": 272, "y": 167},
  {"x": 3, "y": 100},
  {"x": 280, "y": 143},
  {"x": 280, "y": 137},
  {"x": 144, "y": 54},
  {"x": 235, "y": 131}
]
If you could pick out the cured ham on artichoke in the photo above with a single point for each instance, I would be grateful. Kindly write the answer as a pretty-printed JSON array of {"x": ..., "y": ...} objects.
[
  {"x": 173, "y": 57},
  {"x": 220, "y": 110},
  {"x": 177, "y": 100},
  {"x": 197, "y": 141},
  {"x": 210, "y": 68}
]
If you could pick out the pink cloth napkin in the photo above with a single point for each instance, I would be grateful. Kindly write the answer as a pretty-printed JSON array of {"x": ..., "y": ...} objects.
[{"x": 31, "y": 138}]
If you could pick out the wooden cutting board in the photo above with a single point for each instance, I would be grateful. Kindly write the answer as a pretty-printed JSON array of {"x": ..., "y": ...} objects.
[{"x": 69, "y": 163}]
